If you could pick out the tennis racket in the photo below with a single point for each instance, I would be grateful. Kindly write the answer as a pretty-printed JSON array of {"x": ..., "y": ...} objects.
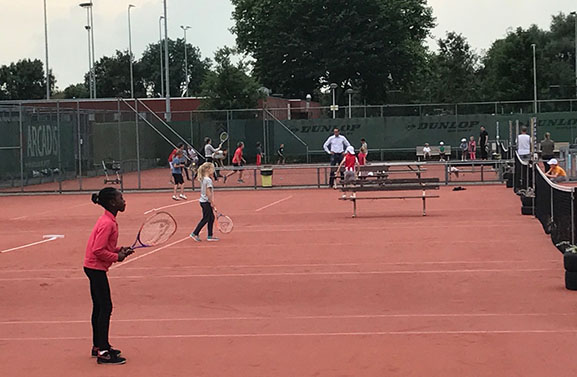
[
  {"x": 156, "y": 230},
  {"x": 224, "y": 223},
  {"x": 223, "y": 137}
]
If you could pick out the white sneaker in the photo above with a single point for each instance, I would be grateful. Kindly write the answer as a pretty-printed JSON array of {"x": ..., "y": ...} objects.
[
  {"x": 183, "y": 196},
  {"x": 353, "y": 196},
  {"x": 344, "y": 196},
  {"x": 175, "y": 197}
]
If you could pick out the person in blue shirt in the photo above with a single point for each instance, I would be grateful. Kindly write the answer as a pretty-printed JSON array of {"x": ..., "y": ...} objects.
[
  {"x": 335, "y": 146},
  {"x": 177, "y": 166}
]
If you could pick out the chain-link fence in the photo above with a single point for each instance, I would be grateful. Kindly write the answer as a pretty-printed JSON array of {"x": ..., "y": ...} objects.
[{"x": 76, "y": 145}]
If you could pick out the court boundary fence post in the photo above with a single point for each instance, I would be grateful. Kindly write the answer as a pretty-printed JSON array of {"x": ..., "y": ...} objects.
[
  {"x": 137, "y": 131},
  {"x": 21, "y": 147},
  {"x": 79, "y": 136},
  {"x": 59, "y": 128},
  {"x": 573, "y": 216}
]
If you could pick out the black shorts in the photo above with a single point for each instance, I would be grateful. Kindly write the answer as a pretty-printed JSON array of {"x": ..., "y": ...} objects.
[
  {"x": 237, "y": 166},
  {"x": 178, "y": 180}
]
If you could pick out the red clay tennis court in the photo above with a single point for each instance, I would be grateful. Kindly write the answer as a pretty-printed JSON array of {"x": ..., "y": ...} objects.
[{"x": 298, "y": 289}]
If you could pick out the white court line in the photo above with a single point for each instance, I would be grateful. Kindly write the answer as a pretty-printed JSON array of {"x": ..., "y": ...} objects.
[
  {"x": 327, "y": 334},
  {"x": 275, "y": 203},
  {"x": 328, "y": 317},
  {"x": 49, "y": 238},
  {"x": 306, "y": 265},
  {"x": 282, "y": 274},
  {"x": 48, "y": 212},
  {"x": 170, "y": 206},
  {"x": 130, "y": 260}
]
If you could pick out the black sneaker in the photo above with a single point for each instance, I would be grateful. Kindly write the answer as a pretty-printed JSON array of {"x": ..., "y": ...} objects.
[
  {"x": 107, "y": 357},
  {"x": 112, "y": 350}
]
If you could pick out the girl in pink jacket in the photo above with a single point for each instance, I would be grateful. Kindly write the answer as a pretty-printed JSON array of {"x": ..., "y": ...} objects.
[{"x": 101, "y": 253}]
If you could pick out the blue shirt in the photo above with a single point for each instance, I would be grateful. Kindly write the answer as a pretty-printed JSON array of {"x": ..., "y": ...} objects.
[{"x": 177, "y": 161}]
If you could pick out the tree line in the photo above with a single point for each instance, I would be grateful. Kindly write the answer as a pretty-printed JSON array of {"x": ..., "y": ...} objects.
[{"x": 374, "y": 47}]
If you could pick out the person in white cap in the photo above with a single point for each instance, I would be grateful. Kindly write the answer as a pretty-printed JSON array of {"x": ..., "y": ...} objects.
[
  {"x": 351, "y": 164},
  {"x": 556, "y": 172},
  {"x": 464, "y": 148},
  {"x": 426, "y": 151},
  {"x": 442, "y": 150}
]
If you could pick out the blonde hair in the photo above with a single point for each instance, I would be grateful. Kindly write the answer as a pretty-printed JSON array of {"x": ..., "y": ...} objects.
[{"x": 204, "y": 170}]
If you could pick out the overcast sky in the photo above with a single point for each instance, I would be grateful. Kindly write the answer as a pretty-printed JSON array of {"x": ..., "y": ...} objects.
[{"x": 22, "y": 26}]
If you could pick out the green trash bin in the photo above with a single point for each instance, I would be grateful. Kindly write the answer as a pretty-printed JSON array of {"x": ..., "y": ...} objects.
[{"x": 266, "y": 176}]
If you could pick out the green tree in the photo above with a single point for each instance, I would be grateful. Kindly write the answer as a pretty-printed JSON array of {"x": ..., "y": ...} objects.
[
  {"x": 303, "y": 45},
  {"x": 229, "y": 86},
  {"x": 113, "y": 77},
  {"x": 76, "y": 91},
  {"x": 24, "y": 80},
  {"x": 197, "y": 68},
  {"x": 453, "y": 71}
]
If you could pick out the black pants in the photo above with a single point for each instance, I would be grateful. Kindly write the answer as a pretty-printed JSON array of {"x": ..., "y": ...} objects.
[
  {"x": 336, "y": 159},
  {"x": 101, "y": 307},
  {"x": 545, "y": 162},
  {"x": 483, "y": 149},
  {"x": 207, "y": 218},
  {"x": 216, "y": 168}
]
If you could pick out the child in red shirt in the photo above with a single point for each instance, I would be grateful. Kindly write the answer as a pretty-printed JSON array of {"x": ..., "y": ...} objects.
[
  {"x": 237, "y": 161},
  {"x": 351, "y": 163},
  {"x": 101, "y": 253}
]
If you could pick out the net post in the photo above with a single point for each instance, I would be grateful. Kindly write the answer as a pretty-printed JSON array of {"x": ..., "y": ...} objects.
[
  {"x": 254, "y": 175},
  {"x": 573, "y": 216}
]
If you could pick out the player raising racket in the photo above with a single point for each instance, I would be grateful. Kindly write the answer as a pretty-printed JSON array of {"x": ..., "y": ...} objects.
[
  {"x": 205, "y": 171},
  {"x": 101, "y": 253}
]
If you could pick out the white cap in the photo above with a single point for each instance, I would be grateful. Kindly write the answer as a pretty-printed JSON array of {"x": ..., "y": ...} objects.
[
  {"x": 441, "y": 143},
  {"x": 553, "y": 162},
  {"x": 351, "y": 149},
  {"x": 463, "y": 140}
]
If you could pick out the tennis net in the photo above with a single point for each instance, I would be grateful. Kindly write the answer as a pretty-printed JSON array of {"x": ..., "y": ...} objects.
[{"x": 555, "y": 209}]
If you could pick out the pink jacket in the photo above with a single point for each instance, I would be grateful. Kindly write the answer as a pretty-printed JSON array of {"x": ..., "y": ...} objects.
[{"x": 101, "y": 250}]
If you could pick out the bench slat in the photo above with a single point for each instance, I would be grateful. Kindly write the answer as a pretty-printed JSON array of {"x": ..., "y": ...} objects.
[{"x": 392, "y": 197}]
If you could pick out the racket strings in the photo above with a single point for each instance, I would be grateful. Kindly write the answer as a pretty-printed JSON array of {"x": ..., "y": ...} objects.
[
  {"x": 157, "y": 230},
  {"x": 225, "y": 224}
]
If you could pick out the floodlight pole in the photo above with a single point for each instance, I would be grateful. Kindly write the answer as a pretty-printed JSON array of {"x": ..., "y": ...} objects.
[
  {"x": 46, "y": 47},
  {"x": 534, "y": 78},
  {"x": 166, "y": 64},
  {"x": 185, "y": 28},
  {"x": 333, "y": 88},
  {"x": 161, "y": 57},
  {"x": 130, "y": 53},
  {"x": 575, "y": 17}
]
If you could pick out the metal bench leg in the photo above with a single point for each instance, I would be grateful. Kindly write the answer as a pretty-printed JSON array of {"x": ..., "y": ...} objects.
[
  {"x": 424, "y": 204},
  {"x": 354, "y": 208}
]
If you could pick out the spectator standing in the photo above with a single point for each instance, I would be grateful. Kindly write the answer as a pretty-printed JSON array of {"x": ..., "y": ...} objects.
[
  {"x": 335, "y": 146},
  {"x": 547, "y": 150}
]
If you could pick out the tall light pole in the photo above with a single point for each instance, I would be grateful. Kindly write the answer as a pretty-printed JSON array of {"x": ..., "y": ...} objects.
[
  {"x": 575, "y": 16},
  {"x": 166, "y": 63},
  {"x": 161, "y": 57},
  {"x": 93, "y": 54},
  {"x": 333, "y": 88},
  {"x": 534, "y": 78},
  {"x": 350, "y": 92},
  {"x": 185, "y": 28},
  {"x": 46, "y": 46},
  {"x": 130, "y": 53},
  {"x": 88, "y": 28}
]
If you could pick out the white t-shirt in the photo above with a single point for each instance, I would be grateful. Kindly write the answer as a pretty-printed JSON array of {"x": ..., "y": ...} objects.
[
  {"x": 426, "y": 149},
  {"x": 524, "y": 144}
]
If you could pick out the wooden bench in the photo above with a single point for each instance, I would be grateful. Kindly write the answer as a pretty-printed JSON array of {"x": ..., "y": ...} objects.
[
  {"x": 376, "y": 178},
  {"x": 435, "y": 152}
]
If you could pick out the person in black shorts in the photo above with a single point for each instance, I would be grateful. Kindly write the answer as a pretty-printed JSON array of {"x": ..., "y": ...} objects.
[
  {"x": 177, "y": 166},
  {"x": 237, "y": 161}
]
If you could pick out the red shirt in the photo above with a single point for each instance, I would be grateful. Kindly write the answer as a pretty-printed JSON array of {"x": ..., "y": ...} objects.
[
  {"x": 172, "y": 155},
  {"x": 350, "y": 160},
  {"x": 237, "y": 158},
  {"x": 101, "y": 250}
]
